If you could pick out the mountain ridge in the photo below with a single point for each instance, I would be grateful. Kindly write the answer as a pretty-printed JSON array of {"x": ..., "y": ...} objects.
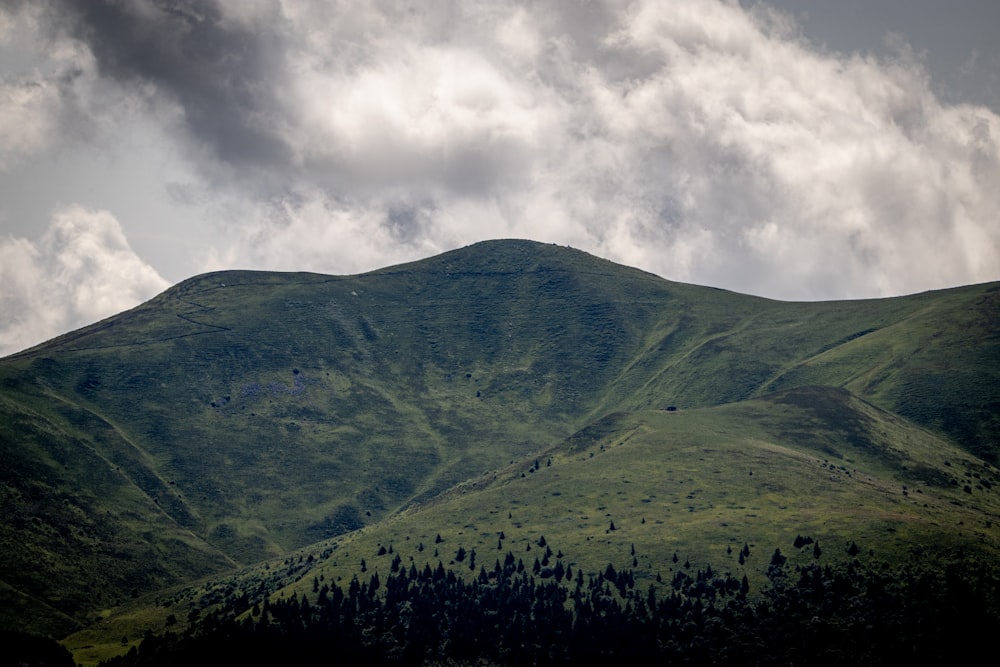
[{"x": 240, "y": 415}]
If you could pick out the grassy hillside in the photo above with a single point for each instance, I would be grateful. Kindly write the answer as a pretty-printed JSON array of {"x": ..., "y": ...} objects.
[
  {"x": 701, "y": 483},
  {"x": 659, "y": 495},
  {"x": 240, "y": 416}
]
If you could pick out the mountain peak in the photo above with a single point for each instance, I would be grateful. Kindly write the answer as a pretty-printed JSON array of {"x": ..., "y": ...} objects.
[{"x": 240, "y": 415}]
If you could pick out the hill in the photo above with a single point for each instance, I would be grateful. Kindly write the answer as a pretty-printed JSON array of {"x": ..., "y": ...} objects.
[
  {"x": 241, "y": 416},
  {"x": 683, "y": 505}
]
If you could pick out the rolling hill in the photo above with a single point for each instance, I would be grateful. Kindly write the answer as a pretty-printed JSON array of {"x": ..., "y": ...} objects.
[{"x": 243, "y": 420}]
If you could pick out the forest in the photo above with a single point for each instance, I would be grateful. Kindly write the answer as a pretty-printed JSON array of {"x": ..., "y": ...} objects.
[{"x": 864, "y": 612}]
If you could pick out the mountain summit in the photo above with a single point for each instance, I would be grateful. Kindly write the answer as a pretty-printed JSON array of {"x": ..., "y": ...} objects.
[{"x": 241, "y": 415}]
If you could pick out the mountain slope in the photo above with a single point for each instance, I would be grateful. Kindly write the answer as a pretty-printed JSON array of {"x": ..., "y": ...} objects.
[
  {"x": 659, "y": 495},
  {"x": 240, "y": 415}
]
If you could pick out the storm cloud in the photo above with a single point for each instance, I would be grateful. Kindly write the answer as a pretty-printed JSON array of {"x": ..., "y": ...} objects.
[{"x": 703, "y": 141}]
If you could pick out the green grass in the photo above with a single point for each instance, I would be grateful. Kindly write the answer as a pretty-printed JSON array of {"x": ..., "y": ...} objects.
[
  {"x": 699, "y": 484},
  {"x": 241, "y": 416}
]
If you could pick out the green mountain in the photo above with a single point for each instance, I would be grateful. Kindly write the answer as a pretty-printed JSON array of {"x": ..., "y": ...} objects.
[{"x": 242, "y": 417}]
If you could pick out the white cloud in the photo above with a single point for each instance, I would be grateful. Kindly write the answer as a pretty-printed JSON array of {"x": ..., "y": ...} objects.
[
  {"x": 50, "y": 93},
  {"x": 424, "y": 116},
  {"x": 690, "y": 138},
  {"x": 81, "y": 270},
  {"x": 28, "y": 115}
]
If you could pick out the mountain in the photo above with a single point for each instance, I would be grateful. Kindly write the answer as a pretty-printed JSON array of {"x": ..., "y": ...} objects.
[{"x": 241, "y": 417}]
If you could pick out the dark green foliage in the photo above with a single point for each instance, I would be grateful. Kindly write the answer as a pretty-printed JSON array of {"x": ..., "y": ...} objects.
[
  {"x": 27, "y": 650},
  {"x": 872, "y": 616}
]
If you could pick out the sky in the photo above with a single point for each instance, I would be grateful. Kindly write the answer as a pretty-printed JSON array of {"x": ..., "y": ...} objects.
[{"x": 793, "y": 149}]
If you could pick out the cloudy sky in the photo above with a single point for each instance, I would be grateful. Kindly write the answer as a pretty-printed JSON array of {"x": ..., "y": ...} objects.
[{"x": 796, "y": 149}]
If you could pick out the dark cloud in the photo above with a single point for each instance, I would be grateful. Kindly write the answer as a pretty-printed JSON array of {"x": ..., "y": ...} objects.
[{"x": 222, "y": 73}]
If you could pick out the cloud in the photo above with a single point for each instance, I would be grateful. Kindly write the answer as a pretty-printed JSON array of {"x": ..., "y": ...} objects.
[
  {"x": 812, "y": 175},
  {"x": 693, "y": 138},
  {"x": 27, "y": 119},
  {"x": 82, "y": 270},
  {"x": 32, "y": 102}
]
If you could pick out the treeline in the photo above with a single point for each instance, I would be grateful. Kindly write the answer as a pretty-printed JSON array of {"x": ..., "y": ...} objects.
[{"x": 868, "y": 614}]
